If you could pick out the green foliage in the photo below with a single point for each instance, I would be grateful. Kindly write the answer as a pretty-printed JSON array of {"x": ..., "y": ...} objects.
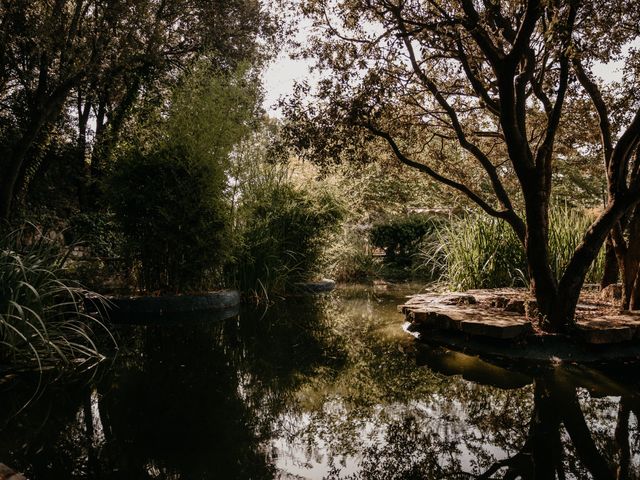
[
  {"x": 283, "y": 232},
  {"x": 71, "y": 65},
  {"x": 210, "y": 113},
  {"x": 567, "y": 227},
  {"x": 173, "y": 218},
  {"x": 375, "y": 193},
  {"x": 348, "y": 256},
  {"x": 281, "y": 227},
  {"x": 169, "y": 189},
  {"x": 477, "y": 251},
  {"x": 400, "y": 236},
  {"x": 98, "y": 231},
  {"x": 43, "y": 320}
]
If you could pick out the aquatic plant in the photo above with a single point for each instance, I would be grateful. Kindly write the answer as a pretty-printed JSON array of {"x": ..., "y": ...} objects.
[
  {"x": 283, "y": 230},
  {"x": 43, "y": 319}
]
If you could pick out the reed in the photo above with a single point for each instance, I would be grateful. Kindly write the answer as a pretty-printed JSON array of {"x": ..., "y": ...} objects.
[{"x": 43, "y": 319}]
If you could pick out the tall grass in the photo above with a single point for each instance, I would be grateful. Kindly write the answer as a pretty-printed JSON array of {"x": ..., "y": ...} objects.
[
  {"x": 476, "y": 251},
  {"x": 567, "y": 227},
  {"x": 43, "y": 320}
]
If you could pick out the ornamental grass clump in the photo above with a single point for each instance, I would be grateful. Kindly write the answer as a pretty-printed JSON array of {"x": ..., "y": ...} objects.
[
  {"x": 43, "y": 319},
  {"x": 479, "y": 252},
  {"x": 567, "y": 227},
  {"x": 476, "y": 251}
]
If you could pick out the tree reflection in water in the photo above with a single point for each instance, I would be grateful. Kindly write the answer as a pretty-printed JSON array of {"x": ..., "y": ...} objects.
[{"x": 329, "y": 388}]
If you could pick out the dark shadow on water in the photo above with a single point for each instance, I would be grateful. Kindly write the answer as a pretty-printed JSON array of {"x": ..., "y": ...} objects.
[{"x": 319, "y": 388}]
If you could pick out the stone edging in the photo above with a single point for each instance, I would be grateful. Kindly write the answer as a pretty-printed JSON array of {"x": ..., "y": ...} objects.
[{"x": 219, "y": 300}]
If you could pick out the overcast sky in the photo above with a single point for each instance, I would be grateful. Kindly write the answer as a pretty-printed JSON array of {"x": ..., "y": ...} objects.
[{"x": 282, "y": 74}]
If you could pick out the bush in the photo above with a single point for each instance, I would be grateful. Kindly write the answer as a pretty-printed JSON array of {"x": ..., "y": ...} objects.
[
  {"x": 568, "y": 226},
  {"x": 173, "y": 217},
  {"x": 169, "y": 190},
  {"x": 43, "y": 320},
  {"x": 400, "y": 237},
  {"x": 477, "y": 251},
  {"x": 98, "y": 232},
  {"x": 283, "y": 231}
]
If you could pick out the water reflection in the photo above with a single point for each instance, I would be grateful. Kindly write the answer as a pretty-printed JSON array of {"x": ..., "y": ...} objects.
[{"x": 326, "y": 388}]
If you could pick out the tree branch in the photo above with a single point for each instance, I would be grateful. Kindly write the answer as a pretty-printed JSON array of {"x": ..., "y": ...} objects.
[
  {"x": 595, "y": 95},
  {"x": 492, "y": 105},
  {"x": 525, "y": 31},
  {"x": 489, "y": 168},
  {"x": 508, "y": 214}
]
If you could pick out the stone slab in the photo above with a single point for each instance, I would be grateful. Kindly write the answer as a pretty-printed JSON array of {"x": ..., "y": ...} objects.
[
  {"x": 505, "y": 313},
  {"x": 609, "y": 329},
  {"x": 470, "y": 320},
  {"x": 321, "y": 286},
  {"x": 177, "y": 303},
  {"x": 497, "y": 328}
]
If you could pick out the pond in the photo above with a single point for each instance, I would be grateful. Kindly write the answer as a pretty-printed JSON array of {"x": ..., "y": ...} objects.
[{"x": 326, "y": 387}]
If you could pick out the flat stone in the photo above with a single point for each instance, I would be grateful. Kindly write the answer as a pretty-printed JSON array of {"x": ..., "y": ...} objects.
[
  {"x": 458, "y": 299},
  {"x": 321, "y": 286},
  {"x": 611, "y": 292},
  {"x": 503, "y": 328},
  {"x": 609, "y": 329},
  {"x": 499, "y": 302},
  {"x": 471, "y": 321},
  {"x": 209, "y": 301},
  {"x": 586, "y": 307},
  {"x": 602, "y": 336},
  {"x": 429, "y": 319},
  {"x": 480, "y": 315}
]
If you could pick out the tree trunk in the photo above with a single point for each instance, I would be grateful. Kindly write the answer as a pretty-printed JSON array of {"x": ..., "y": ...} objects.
[
  {"x": 15, "y": 159},
  {"x": 576, "y": 426},
  {"x": 610, "y": 274},
  {"x": 622, "y": 439},
  {"x": 46, "y": 110},
  {"x": 563, "y": 310},
  {"x": 628, "y": 255},
  {"x": 543, "y": 283}
]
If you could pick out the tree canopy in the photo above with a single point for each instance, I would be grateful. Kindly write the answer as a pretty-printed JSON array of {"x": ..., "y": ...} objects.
[
  {"x": 80, "y": 67},
  {"x": 489, "y": 98}
]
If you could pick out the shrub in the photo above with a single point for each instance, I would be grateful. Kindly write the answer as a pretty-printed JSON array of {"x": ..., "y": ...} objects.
[
  {"x": 568, "y": 226},
  {"x": 400, "y": 237},
  {"x": 477, "y": 251},
  {"x": 43, "y": 320},
  {"x": 283, "y": 231},
  {"x": 169, "y": 190},
  {"x": 97, "y": 231},
  {"x": 348, "y": 256},
  {"x": 173, "y": 218}
]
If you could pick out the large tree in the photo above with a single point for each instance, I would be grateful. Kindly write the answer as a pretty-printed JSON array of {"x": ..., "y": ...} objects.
[
  {"x": 91, "y": 61},
  {"x": 496, "y": 79}
]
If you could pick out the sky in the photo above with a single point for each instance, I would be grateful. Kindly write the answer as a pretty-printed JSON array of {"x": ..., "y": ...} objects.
[
  {"x": 280, "y": 78},
  {"x": 284, "y": 72}
]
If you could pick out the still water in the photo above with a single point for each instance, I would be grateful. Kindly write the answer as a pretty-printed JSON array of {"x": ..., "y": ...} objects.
[{"x": 327, "y": 387}]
